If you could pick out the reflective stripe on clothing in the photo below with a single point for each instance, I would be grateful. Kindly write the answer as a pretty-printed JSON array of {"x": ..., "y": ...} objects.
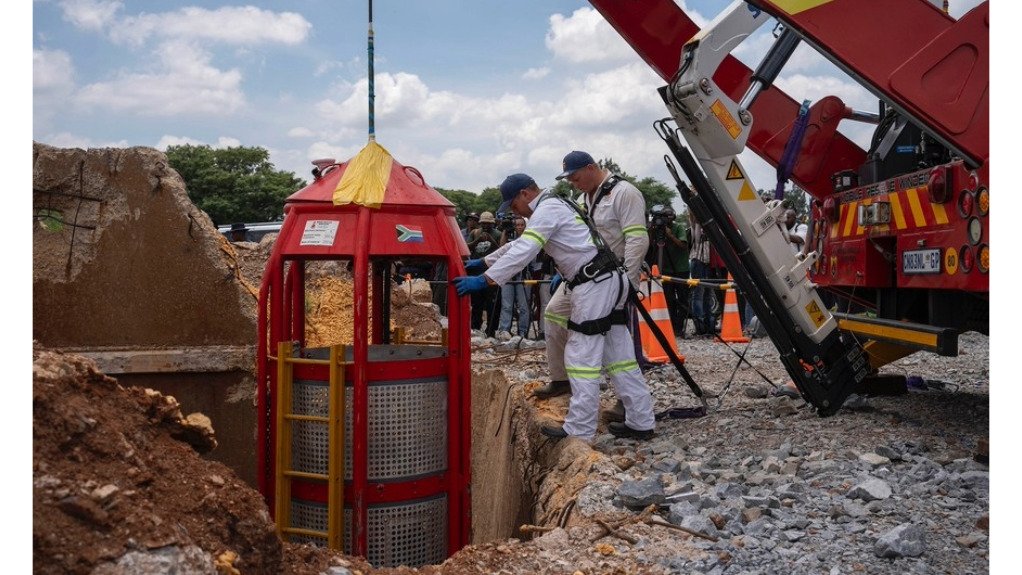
[
  {"x": 557, "y": 319},
  {"x": 554, "y": 225},
  {"x": 613, "y": 350}
]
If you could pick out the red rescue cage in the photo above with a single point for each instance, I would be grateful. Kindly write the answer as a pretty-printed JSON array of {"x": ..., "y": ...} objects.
[{"x": 363, "y": 445}]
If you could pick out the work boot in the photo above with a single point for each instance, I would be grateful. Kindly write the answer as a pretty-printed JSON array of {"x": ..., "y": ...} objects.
[
  {"x": 553, "y": 389},
  {"x": 621, "y": 430},
  {"x": 554, "y": 431},
  {"x": 616, "y": 413}
]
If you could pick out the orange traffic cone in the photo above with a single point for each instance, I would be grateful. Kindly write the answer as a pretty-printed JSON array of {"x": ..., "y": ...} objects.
[
  {"x": 731, "y": 325},
  {"x": 655, "y": 303}
]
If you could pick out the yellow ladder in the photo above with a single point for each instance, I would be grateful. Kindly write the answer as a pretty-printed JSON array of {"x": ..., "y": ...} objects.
[{"x": 334, "y": 478}]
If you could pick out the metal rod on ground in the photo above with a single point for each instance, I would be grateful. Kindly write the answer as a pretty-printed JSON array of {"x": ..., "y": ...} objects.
[
  {"x": 661, "y": 523},
  {"x": 741, "y": 358},
  {"x": 612, "y": 531}
]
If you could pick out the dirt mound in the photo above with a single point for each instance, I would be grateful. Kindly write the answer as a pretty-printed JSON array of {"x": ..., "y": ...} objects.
[{"x": 118, "y": 486}]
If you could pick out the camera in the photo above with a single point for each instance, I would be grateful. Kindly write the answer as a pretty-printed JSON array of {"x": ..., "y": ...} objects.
[
  {"x": 507, "y": 222},
  {"x": 660, "y": 219},
  {"x": 661, "y": 216}
]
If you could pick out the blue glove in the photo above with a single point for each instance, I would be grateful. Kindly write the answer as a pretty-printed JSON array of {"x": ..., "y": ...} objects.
[
  {"x": 477, "y": 265},
  {"x": 554, "y": 283},
  {"x": 469, "y": 284}
]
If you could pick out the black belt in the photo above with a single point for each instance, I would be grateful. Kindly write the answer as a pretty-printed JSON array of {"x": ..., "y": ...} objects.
[
  {"x": 602, "y": 325},
  {"x": 602, "y": 263}
]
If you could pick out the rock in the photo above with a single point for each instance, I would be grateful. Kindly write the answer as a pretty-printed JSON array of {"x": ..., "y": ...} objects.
[
  {"x": 169, "y": 560},
  {"x": 756, "y": 391},
  {"x": 726, "y": 490},
  {"x": 873, "y": 459},
  {"x": 667, "y": 465},
  {"x": 596, "y": 497},
  {"x": 642, "y": 493},
  {"x": 870, "y": 490},
  {"x": 552, "y": 540},
  {"x": 718, "y": 520},
  {"x": 905, "y": 540},
  {"x": 623, "y": 462},
  {"x": 783, "y": 407},
  {"x": 84, "y": 508},
  {"x": 889, "y": 453},
  {"x": 700, "y": 524},
  {"x": 679, "y": 511},
  {"x": 983, "y": 523},
  {"x": 971, "y": 540},
  {"x": 103, "y": 493}
]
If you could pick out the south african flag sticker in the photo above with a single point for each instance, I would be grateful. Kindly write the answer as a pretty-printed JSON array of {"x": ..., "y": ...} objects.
[{"x": 409, "y": 234}]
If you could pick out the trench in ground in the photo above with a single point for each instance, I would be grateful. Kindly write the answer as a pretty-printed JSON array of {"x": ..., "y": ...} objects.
[{"x": 519, "y": 476}]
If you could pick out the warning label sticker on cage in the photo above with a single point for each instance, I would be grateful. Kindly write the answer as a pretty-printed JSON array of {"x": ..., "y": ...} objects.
[{"x": 319, "y": 233}]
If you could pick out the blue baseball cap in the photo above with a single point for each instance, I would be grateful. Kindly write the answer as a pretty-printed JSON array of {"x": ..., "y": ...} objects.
[
  {"x": 575, "y": 160},
  {"x": 510, "y": 187}
]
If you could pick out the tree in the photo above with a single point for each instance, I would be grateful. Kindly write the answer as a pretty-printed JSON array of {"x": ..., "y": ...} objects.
[
  {"x": 653, "y": 191},
  {"x": 466, "y": 202},
  {"x": 234, "y": 184},
  {"x": 797, "y": 199}
]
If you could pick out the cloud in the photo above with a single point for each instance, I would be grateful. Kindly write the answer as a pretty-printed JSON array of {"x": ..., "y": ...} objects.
[
  {"x": 92, "y": 15},
  {"x": 187, "y": 84},
  {"x": 52, "y": 72},
  {"x": 68, "y": 140},
  {"x": 234, "y": 25},
  {"x": 586, "y": 37},
  {"x": 53, "y": 85},
  {"x": 401, "y": 100},
  {"x": 300, "y": 132},
  {"x": 221, "y": 142},
  {"x": 611, "y": 98},
  {"x": 536, "y": 73}
]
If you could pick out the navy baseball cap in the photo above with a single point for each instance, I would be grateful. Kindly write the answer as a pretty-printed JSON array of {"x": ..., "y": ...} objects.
[
  {"x": 575, "y": 160},
  {"x": 510, "y": 187}
]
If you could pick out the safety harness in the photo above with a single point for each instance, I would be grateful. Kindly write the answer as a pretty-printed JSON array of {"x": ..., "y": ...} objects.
[{"x": 598, "y": 269}]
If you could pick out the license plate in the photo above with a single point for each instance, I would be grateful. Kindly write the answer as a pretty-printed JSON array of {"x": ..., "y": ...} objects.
[{"x": 921, "y": 261}]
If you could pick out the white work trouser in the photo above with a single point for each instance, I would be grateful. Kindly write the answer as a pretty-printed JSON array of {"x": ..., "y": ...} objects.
[
  {"x": 555, "y": 328},
  {"x": 585, "y": 355}
]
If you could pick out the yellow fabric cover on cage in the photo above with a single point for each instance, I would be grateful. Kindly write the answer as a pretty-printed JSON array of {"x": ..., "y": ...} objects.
[{"x": 365, "y": 180}]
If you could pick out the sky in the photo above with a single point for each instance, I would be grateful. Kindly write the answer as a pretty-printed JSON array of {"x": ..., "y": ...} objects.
[{"x": 465, "y": 91}]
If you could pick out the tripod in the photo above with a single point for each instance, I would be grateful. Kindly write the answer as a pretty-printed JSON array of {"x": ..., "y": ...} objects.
[
  {"x": 676, "y": 295},
  {"x": 514, "y": 302}
]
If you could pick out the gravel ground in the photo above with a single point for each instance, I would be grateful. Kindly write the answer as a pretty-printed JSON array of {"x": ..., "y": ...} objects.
[{"x": 890, "y": 484}]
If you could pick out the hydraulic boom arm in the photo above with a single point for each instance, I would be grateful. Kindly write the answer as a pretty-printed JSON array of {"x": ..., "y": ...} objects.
[{"x": 658, "y": 29}]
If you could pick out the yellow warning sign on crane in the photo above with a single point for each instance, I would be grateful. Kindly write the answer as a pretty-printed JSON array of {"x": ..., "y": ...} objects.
[
  {"x": 816, "y": 314},
  {"x": 734, "y": 172}
]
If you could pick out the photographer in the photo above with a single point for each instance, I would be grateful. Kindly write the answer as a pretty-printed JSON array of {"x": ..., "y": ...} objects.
[
  {"x": 482, "y": 242},
  {"x": 668, "y": 250},
  {"x": 699, "y": 267},
  {"x": 512, "y": 295}
]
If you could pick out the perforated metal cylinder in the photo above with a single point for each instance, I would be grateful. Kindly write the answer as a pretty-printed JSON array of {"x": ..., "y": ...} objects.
[
  {"x": 412, "y": 533},
  {"x": 408, "y": 426}
]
